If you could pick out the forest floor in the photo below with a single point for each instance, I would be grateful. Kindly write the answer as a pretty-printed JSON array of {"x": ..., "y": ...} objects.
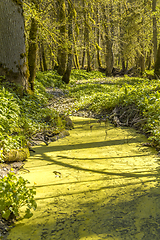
[{"x": 101, "y": 182}]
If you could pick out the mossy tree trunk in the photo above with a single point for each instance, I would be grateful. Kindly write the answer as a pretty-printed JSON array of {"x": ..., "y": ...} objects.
[
  {"x": 86, "y": 34},
  {"x": 98, "y": 37},
  {"x": 154, "y": 3},
  {"x": 106, "y": 10},
  {"x": 76, "y": 53},
  {"x": 12, "y": 43},
  {"x": 62, "y": 43},
  {"x": 149, "y": 59},
  {"x": 122, "y": 44},
  {"x": 157, "y": 64},
  {"x": 67, "y": 73},
  {"x": 32, "y": 52},
  {"x": 40, "y": 57},
  {"x": 43, "y": 57}
]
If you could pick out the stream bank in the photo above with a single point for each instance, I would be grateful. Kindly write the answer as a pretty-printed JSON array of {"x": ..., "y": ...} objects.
[{"x": 98, "y": 183}]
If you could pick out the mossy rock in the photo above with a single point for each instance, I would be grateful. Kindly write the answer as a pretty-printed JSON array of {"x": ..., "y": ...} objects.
[
  {"x": 67, "y": 122},
  {"x": 16, "y": 155}
]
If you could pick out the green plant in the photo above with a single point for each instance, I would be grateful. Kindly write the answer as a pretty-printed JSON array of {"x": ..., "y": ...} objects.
[
  {"x": 15, "y": 194},
  {"x": 9, "y": 111}
]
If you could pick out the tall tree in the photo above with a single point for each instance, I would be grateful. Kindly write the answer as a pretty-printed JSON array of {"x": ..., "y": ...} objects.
[
  {"x": 107, "y": 24},
  {"x": 154, "y": 3},
  {"x": 32, "y": 52},
  {"x": 98, "y": 36},
  {"x": 62, "y": 36},
  {"x": 157, "y": 64},
  {"x": 67, "y": 73},
  {"x": 12, "y": 43},
  {"x": 86, "y": 33}
]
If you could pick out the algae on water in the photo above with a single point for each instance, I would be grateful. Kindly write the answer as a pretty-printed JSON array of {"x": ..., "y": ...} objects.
[{"x": 108, "y": 186}]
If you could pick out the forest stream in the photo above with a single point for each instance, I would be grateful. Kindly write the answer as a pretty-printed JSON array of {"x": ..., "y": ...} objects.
[{"x": 98, "y": 183}]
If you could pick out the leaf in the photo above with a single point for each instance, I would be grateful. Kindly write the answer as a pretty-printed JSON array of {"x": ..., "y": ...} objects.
[
  {"x": 6, "y": 214},
  {"x": 28, "y": 214}
]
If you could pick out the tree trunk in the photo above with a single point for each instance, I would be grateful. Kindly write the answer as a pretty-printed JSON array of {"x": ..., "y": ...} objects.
[
  {"x": 154, "y": 29},
  {"x": 75, "y": 53},
  {"x": 43, "y": 57},
  {"x": 83, "y": 57},
  {"x": 12, "y": 43},
  {"x": 32, "y": 53},
  {"x": 98, "y": 38},
  {"x": 67, "y": 73},
  {"x": 86, "y": 37},
  {"x": 148, "y": 59},
  {"x": 40, "y": 57},
  {"x": 108, "y": 40},
  {"x": 157, "y": 64},
  {"x": 62, "y": 42}
]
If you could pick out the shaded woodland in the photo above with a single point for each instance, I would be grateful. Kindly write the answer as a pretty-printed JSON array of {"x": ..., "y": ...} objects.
[{"x": 115, "y": 37}]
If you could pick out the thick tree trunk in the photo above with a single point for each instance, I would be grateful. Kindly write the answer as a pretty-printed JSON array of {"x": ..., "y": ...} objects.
[
  {"x": 12, "y": 43},
  {"x": 32, "y": 53}
]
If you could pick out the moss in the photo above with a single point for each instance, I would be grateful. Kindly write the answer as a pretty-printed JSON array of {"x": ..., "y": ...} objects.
[
  {"x": 22, "y": 55},
  {"x": 17, "y": 155},
  {"x": 19, "y": 2}
]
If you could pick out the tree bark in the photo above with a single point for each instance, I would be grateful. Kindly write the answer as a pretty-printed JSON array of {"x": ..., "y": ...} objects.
[
  {"x": 32, "y": 53},
  {"x": 154, "y": 2},
  {"x": 43, "y": 57},
  {"x": 108, "y": 40},
  {"x": 67, "y": 73},
  {"x": 98, "y": 38},
  {"x": 157, "y": 64},
  {"x": 86, "y": 37},
  {"x": 12, "y": 43},
  {"x": 62, "y": 28}
]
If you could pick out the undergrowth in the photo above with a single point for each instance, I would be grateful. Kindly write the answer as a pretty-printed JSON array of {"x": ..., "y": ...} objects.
[
  {"x": 21, "y": 117},
  {"x": 95, "y": 92},
  {"x": 125, "y": 91}
]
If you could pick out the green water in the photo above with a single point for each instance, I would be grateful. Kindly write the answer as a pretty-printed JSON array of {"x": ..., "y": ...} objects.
[{"x": 106, "y": 187}]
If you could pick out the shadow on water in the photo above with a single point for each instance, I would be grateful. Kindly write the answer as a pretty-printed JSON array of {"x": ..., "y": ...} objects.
[
  {"x": 61, "y": 163},
  {"x": 92, "y": 144}
]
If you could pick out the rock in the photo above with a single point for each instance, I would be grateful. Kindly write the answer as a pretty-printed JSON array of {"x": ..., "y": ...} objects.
[
  {"x": 16, "y": 155},
  {"x": 67, "y": 121}
]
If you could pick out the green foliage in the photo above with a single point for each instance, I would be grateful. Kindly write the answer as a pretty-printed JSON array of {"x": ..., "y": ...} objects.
[
  {"x": 15, "y": 194},
  {"x": 9, "y": 111},
  {"x": 50, "y": 79},
  {"x": 84, "y": 75},
  {"x": 20, "y": 117},
  {"x": 121, "y": 91}
]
